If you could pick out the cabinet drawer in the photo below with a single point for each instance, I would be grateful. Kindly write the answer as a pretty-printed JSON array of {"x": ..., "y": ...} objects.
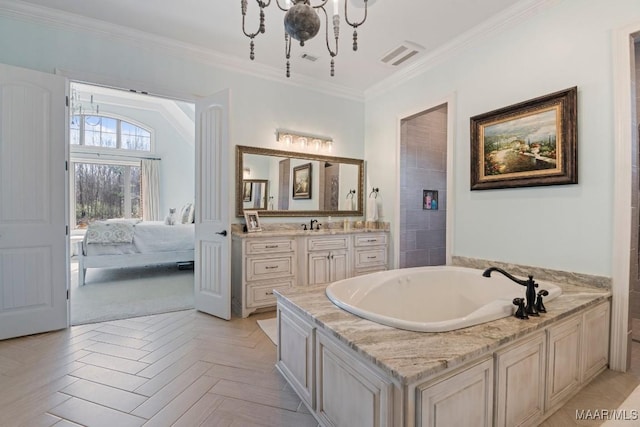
[
  {"x": 262, "y": 295},
  {"x": 259, "y": 268},
  {"x": 370, "y": 239},
  {"x": 269, "y": 246},
  {"x": 370, "y": 258},
  {"x": 327, "y": 243}
]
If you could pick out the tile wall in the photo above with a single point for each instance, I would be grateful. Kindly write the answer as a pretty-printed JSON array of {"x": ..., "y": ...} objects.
[{"x": 423, "y": 166}]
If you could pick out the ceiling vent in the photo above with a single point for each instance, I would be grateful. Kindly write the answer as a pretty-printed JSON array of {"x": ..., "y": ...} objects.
[
  {"x": 401, "y": 54},
  {"x": 309, "y": 57}
]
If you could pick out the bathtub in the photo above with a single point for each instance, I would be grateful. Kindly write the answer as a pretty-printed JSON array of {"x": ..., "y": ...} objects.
[{"x": 431, "y": 299}]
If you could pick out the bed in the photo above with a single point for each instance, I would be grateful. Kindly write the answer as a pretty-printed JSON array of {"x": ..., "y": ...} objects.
[{"x": 131, "y": 243}]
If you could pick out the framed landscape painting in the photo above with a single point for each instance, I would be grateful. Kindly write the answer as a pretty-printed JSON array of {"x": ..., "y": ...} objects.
[
  {"x": 528, "y": 144},
  {"x": 302, "y": 181}
]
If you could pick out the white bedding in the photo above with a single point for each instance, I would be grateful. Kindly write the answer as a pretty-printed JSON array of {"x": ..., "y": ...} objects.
[{"x": 149, "y": 237}]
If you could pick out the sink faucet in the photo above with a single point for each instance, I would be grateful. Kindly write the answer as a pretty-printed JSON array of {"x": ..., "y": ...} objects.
[
  {"x": 531, "y": 286},
  {"x": 313, "y": 221}
]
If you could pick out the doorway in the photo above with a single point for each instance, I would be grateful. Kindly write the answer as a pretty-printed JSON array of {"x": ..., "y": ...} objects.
[
  {"x": 116, "y": 138},
  {"x": 423, "y": 188}
]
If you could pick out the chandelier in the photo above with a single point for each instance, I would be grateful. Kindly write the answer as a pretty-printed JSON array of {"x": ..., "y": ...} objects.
[
  {"x": 301, "y": 22},
  {"x": 79, "y": 109}
]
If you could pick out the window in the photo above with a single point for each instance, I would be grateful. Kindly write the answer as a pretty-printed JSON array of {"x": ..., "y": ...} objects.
[
  {"x": 107, "y": 132},
  {"x": 105, "y": 155},
  {"x": 106, "y": 191}
]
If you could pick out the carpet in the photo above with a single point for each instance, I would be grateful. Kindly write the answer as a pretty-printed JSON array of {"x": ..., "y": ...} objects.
[
  {"x": 121, "y": 293},
  {"x": 269, "y": 327}
]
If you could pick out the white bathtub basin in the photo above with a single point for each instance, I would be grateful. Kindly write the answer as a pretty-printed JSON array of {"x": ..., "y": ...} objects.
[{"x": 431, "y": 299}]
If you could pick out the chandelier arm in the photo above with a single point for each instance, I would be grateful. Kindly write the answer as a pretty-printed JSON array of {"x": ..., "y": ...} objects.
[
  {"x": 284, "y": 9},
  {"x": 355, "y": 24},
  {"x": 321, "y": 6},
  {"x": 287, "y": 52},
  {"x": 336, "y": 33},
  {"x": 262, "y": 5}
]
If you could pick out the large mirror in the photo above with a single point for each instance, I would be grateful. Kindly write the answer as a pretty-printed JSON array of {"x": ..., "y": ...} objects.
[{"x": 282, "y": 183}]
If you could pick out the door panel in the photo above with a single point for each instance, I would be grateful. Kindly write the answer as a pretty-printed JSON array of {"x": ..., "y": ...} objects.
[
  {"x": 212, "y": 264},
  {"x": 33, "y": 241}
]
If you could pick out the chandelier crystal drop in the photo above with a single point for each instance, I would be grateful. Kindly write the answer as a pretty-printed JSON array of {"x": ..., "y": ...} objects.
[{"x": 302, "y": 22}]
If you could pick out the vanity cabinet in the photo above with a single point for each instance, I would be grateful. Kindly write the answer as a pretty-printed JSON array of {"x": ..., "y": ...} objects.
[
  {"x": 595, "y": 343},
  {"x": 370, "y": 395},
  {"x": 370, "y": 253},
  {"x": 462, "y": 398},
  {"x": 578, "y": 350},
  {"x": 520, "y": 382},
  {"x": 295, "y": 355},
  {"x": 262, "y": 263},
  {"x": 563, "y": 376},
  {"x": 267, "y": 264},
  {"x": 327, "y": 259},
  {"x": 517, "y": 384}
]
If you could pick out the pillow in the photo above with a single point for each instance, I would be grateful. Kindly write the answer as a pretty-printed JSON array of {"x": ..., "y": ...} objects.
[
  {"x": 185, "y": 212},
  {"x": 109, "y": 232}
]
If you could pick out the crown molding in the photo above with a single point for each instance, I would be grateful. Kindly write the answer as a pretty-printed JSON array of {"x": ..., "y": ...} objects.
[
  {"x": 17, "y": 9},
  {"x": 518, "y": 12}
]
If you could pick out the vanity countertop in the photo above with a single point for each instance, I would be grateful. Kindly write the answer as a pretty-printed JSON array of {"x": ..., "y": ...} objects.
[
  {"x": 414, "y": 356},
  {"x": 298, "y": 231}
]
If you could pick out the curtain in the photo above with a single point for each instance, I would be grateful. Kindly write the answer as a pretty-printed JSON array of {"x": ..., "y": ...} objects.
[{"x": 150, "y": 171}]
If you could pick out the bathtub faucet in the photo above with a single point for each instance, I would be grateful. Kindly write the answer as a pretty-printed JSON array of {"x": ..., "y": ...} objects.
[{"x": 531, "y": 286}]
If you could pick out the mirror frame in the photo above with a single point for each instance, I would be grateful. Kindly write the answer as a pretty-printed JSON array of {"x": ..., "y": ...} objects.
[{"x": 242, "y": 149}]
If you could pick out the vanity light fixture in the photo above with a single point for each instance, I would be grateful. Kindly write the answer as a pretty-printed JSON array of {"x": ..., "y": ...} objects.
[
  {"x": 304, "y": 141},
  {"x": 302, "y": 22}
]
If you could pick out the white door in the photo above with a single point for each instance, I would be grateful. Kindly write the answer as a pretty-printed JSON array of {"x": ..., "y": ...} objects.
[
  {"x": 33, "y": 240},
  {"x": 213, "y": 261}
]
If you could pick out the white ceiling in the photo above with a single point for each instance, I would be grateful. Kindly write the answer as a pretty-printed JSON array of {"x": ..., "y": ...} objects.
[{"x": 215, "y": 25}]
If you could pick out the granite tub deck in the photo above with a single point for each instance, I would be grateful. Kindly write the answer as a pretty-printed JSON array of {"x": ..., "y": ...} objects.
[{"x": 410, "y": 357}]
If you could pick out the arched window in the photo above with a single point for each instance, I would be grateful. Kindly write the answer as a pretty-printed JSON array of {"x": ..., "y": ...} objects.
[
  {"x": 108, "y": 132},
  {"x": 105, "y": 155}
]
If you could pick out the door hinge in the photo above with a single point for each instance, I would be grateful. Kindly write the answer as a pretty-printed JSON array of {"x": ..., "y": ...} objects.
[
  {"x": 67, "y": 230},
  {"x": 66, "y": 165},
  {"x": 67, "y": 100},
  {"x": 67, "y": 294}
]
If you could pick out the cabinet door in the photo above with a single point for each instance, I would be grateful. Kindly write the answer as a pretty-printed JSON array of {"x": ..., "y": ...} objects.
[
  {"x": 319, "y": 268},
  {"x": 462, "y": 399},
  {"x": 348, "y": 393},
  {"x": 339, "y": 265},
  {"x": 595, "y": 342},
  {"x": 295, "y": 354},
  {"x": 563, "y": 371},
  {"x": 520, "y": 374}
]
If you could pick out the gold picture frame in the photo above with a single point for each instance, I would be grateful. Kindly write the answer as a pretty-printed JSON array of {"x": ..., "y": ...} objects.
[
  {"x": 532, "y": 143},
  {"x": 302, "y": 181}
]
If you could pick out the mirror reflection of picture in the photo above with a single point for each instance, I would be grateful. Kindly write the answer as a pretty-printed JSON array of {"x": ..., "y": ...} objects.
[
  {"x": 302, "y": 181},
  {"x": 429, "y": 200},
  {"x": 252, "y": 220}
]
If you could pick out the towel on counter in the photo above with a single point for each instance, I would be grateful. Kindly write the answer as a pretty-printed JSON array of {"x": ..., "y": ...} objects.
[{"x": 372, "y": 209}]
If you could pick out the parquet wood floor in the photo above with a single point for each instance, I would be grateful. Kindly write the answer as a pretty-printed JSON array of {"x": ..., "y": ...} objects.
[{"x": 183, "y": 368}]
